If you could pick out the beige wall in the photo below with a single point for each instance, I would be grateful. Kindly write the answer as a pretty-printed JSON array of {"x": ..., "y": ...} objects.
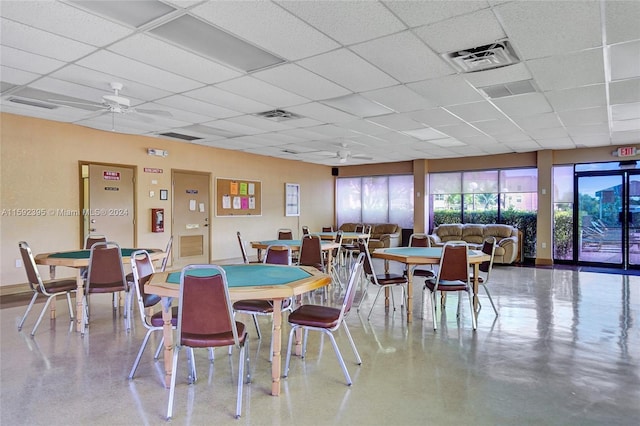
[{"x": 39, "y": 169}]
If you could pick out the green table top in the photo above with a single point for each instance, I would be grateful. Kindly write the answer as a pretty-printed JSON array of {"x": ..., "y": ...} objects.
[
  {"x": 419, "y": 251},
  {"x": 85, "y": 254},
  {"x": 250, "y": 275},
  {"x": 295, "y": 243}
]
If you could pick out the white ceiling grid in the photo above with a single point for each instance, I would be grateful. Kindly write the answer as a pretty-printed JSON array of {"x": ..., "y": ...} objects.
[{"x": 367, "y": 75}]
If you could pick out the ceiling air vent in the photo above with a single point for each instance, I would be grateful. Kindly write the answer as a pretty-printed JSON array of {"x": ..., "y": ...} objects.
[
  {"x": 32, "y": 102},
  {"x": 509, "y": 89},
  {"x": 490, "y": 56},
  {"x": 175, "y": 135},
  {"x": 278, "y": 115}
]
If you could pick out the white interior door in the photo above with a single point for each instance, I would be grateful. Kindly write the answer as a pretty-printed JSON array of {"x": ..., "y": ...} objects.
[{"x": 191, "y": 217}]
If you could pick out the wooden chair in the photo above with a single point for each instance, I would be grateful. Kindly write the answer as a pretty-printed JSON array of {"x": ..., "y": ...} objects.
[
  {"x": 453, "y": 276},
  {"x": 205, "y": 320},
  {"x": 49, "y": 289},
  {"x": 327, "y": 320}
]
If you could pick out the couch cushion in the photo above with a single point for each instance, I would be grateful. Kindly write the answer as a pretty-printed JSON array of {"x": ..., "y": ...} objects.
[
  {"x": 473, "y": 233},
  {"x": 498, "y": 231},
  {"x": 384, "y": 228},
  {"x": 449, "y": 230},
  {"x": 348, "y": 227}
]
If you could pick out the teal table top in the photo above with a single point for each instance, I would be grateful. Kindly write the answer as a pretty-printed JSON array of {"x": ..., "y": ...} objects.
[
  {"x": 293, "y": 243},
  {"x": 250, "y": 275},
  {"x": 419, "y": 251},
  {"x": 85, "y": 254}
]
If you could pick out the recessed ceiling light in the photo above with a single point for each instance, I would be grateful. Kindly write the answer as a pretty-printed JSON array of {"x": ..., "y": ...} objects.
[
  {"x": 425, "y": 134},
  {"x": 134, "y": 13},
  {"x": 214, "y": 43}
]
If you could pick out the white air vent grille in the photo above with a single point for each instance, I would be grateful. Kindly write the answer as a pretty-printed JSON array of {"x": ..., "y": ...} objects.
[
  {"x": 31, "y": 102},
  {"x": 509, "y": 89},
  {"x": 181, "y": 136},
  {"x": 495, "y": 55},
  {"x": 278, "y": 115}
]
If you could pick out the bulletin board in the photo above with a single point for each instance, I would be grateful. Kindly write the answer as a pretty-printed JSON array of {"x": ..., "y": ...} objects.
[{"x": 238, "y": 197}]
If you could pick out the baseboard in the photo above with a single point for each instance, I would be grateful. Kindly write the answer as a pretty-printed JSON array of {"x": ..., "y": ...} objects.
[
  {"x": 7, "y": 290},
  {"x": 544, "y": 262}
]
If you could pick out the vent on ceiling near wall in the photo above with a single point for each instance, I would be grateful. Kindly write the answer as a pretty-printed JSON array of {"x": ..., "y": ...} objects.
[
  {"x": 32, "y": 102},
  {"x": 278, "y": 115},
  {"x": 509, "y": 89},
  {"x": 489, "y": 56},
  {"x": 179, "y": 136}
]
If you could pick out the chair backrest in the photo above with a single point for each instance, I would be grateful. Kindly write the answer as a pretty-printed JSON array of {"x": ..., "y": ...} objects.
[
  {"x": 92, "y": 239},
  {"x": 327, "y": 229},
  {"x": 106, "y": 271},
  {"x": 354, "y": 279},
  {"x": 336, "y": 251},
  {"x": 167, "y": 256},
  {"x": 488, "y": 247},
  {"x": 359, "y": 228},
  {"x": 33, "y": 275},
  {"x": 243, "y": 249},
  {"x": 367, "y": 264},
  {"x": 419, "y": 240},
  {"x": 454, "y": 263},
  {"x": 311, "y": 251},
  {"x": 305, "y": 230},
  {"x": 278, "y": 255},
  {"x": 204, "y": 309},
  {"x": 367, "y": 230},
  {"x": 142, "y": 268},
  {"x": 285, "y": 234}
]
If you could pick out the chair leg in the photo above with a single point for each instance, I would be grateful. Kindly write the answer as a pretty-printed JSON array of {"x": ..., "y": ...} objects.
[
  {"x": 473, "y": 313},
  {"x": 433, "y": 310},
  {"x": 241, "y": 363},
  {"x": 255, "y": 322},
  {"x": 24, "y": 317},
  {"x": 339, "y": 356},
  {"x": 286, "y": 364},
  {"x": 44, "y": 311},
  {"x": 172, "y": 387},
  {"x": 192, "y": 366},
  {"x": 490, "y": 299},
  {"x": 353, "y": 345},
  {"x": 70, "y": 306},
  {"x": 160, "y": 346},
  {"x": 374, "y": 302},
  {"x": 139, "y": 356}
]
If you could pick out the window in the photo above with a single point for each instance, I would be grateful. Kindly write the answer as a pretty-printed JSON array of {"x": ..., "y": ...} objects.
[
  {"x": 563, "y": 212},
  {"x": 375, "y": 199}
]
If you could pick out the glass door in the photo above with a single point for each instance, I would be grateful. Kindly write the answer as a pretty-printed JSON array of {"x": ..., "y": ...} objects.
[{"x": 633, "y": 219}]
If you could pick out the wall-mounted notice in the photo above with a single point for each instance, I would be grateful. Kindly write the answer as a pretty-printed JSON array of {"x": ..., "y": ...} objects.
[{"x": 238, "y": 197}]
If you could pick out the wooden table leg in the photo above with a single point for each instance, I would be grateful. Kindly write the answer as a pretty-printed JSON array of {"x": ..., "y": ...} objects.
[
  {"x": 409, "y": 294},
  {"x": 79, "y": 297},
  {"x": 277, "y": 346},
  {"x": 52, "y": 275},
  {"x": 476, "y": 271},
  {"x": 387, "y": 291},
  {"x": 167, "y": 332}
]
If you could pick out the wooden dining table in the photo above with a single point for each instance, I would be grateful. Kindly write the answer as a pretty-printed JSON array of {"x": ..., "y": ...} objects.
[
  {"x": 326, "y": 246},
  {"x": 79, "y": 259},
  {"x": 346, "y": 236},
  {"x": 246, "y": 281},
  {"x": 412, "y": 256}
]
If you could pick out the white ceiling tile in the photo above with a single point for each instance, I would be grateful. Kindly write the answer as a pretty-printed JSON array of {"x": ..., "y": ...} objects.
[
  {"x": 364, "y": 126},
  {"x": 357, "y": 105},
  {"x": 66, "y": 88},
  {"x": 588, "y": 130},
  {"x": 63, "y": 114},
  {"x": 152, "y": 51},
  {"x": 228, "y": 100},
  {"x": 395, "y": 138},
  {"x": 584, "y": 116},
  {"x": 416, "y": 13},
  {"x": 481, "y": 140},
  {"x": 624, "y": 92},
  {"x": 622, "y": 20},
  {"x": 538, "y": 121},
  {"x": 321, "y": 112},
  {"x": 459, "y": 131},
  {"x": 261, "y": 91},
  {"x": 567, "y": 71},
  {"x": 177, "y": 113},
  {"x": 508, "y": 74},
  {"x": 591, "y": 140},
  {"x": 303, "y": 122},
  {"x": 476, "y": 111},
  {"x": 540, "y": 29},
  {"x": 625, "y": 60},
  {"x": 347, "y": 22},
  {"x": 267, "y": 25},
  {"x": 121, "y": 66},
  {"x": 41, "y": 42},
  {"x": 480, "y": 28},
  {"x": 497, "y": 127},
  {"x": 435, "y": 117},
  {"x": 26, "y": 61},
  {"x": 199, "y": 107},
  {"x": 426, "y": 134},
  {"x": 397, "y": 121},
  {"x": 280, "y": 138},
  {"x": 259, "y": 123},
  {"x": 525, "y": 146},
  {"x": 527, "y": 104},
  {"x": 15, "y": 76},
  {"x": 625, "y": 137},
  {"x": 548, "y": 133},
  {"x": 330, "y": 130},
  {"x": 399, "y": 98},
  {"x": 625, "y": 111},
  {"x": 445, "y": 91},
  {"x": 518, "y": 136},
  {"x": 64, "y": 20},
  {"x": 556, "y": 143},
  {"x": 579, "y": 97},
  {"x": 230, "y": 126},
  {"x": 301, "y": 81},
  {"x": 404, "y": 57},
  {"x": 348, "y": 70},
  {"x": 625, "y": 125}
]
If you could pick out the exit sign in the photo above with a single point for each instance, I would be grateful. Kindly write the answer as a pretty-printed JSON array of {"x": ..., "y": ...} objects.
[{"x": 627, "y": 151}]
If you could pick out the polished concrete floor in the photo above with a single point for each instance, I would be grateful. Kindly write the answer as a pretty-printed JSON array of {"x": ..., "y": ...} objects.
[{"x": 565, "y": 350}]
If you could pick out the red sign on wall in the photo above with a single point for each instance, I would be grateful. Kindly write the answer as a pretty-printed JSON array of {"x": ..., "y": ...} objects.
[
  {"x": 106, "y": 175},
  {"x": 627, "y": 151}
]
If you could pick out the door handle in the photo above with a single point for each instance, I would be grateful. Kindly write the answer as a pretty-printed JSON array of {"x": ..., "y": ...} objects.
[{"x": 92, "y": 229}]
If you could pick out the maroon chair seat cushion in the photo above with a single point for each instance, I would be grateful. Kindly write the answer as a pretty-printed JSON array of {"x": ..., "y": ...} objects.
[
  {"x": 315, "y": 316},
  {"x": 388, "y": 279},
  {"x": 254, "y": 305},
  {"x": 58, "y": 286},
  {"x": 446, "y": 286},
  {"x": 214, "y": 340},
  {"x": 157, "y": 321},
  {"x": 425, "y": 273}
]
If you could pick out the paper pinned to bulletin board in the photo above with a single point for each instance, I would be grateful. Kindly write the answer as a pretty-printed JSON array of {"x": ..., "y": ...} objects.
[{"x": 238, "y": 197}]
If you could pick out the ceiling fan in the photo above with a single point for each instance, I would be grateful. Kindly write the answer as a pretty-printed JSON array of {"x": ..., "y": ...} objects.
[
  {"x": 114, "y": 103},
  {"x": 344, "y": 154}
]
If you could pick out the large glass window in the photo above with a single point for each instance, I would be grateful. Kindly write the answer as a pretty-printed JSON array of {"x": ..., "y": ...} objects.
[
  {"x": 375, "y": 199},
  {"x": 563, "y": 212}
]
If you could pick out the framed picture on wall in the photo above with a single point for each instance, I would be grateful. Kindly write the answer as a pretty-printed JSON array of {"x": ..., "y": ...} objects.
[{"x": 292, "y": 199}]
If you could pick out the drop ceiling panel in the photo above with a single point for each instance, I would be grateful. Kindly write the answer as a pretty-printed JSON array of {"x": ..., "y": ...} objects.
[
  {"x": 417, "y": 13},
  {"x": 259, "y": 123},
  {"x": 199, "y": 107},
  {"x": 157, "y": 53},
  {"x": 496, "y": 127},
  {"x": 540, "y": 29},
  {"x": 515, "y": 72},
  {"x": 177, "y": 113},
  {"x": 527, "y": 104},
  {"x": 397, "y": 121},
  {"x": 626, "y": 111},
  {"x": 354, "y": 73},
  {"x": 584, "y": 116},
  {"x": 121, "y": 66},
  {"x": 230, "y": 126},
  {"x": 403, "y": 56},
  {"x": 480, "y": 28},
  {"x": 445, "y": 91},
  {"x": 65, "y": 88},
  {"x": 399, "y": 98},
  {"x": 476, "y": 111},
  {"x": 568, "y": 71},
  {"x": 301, "y": 81},
  {"x": 365, "y": 127},
  {"x": 579, "y": 97},
  {"x": 556, "y": 143},
  {"x": 267, "y": 25},
  {"x": 40, "y": 42},
  {"x": 623, "y": 92},
  {"x": 625, "y": 60},
  {"x": 347, "y": 22},
  {"x": 261, "y": 91},
  {"x": 15, "y": 76},
  {"x": 548, "y": 133},
  {"x": 227, "y": 100},
  {"x": 26, "y": 61},
  {"x": 538, "y": 121},
  {"x": 64, "y": 20},
  {"x": 59, "y": 114},
  {"x": 321, "y": 112},
  {"x": 625, "y": 137},
  {"x": 459, "y": 131},
  {"x": 435, "y": 117},
  {"x": 622, "y": 21}
]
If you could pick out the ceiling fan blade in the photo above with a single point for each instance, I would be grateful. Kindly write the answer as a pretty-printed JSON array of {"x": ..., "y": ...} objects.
[
  {"x": 154, "y": 112},
  {"x": 72, "y": 103},
  {"x": 134, "y": 115}
]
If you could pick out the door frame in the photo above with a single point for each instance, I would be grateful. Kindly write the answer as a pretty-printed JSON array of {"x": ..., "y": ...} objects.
[{"x": 83, "y": 190}]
